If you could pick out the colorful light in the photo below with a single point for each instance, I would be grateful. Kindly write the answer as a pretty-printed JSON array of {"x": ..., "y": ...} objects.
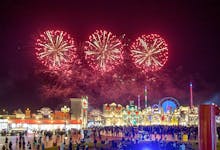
[
  {"x": 55, "y": 49},
  {"x": 149, "y": 52},
  {"x": 103, "y": 51}
]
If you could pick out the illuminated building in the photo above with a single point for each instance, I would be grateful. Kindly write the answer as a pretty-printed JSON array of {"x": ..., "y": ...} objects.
[
  {"x": 95, "y": 118},
  {"x": 27, "y": 113},
  {"x": 79, "y": 109},
  {"x": 48, "y": 119},
  {"x": 167, "y": 112}
]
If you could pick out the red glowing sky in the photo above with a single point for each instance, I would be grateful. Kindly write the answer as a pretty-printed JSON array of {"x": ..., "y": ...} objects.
[{"x": 191, "y": 30}]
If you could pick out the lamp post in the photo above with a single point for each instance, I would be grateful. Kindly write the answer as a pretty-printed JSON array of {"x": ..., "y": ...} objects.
[{"x": 65, "y": 110}]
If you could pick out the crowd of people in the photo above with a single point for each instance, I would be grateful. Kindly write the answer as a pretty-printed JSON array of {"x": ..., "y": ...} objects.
[
  {"x": 132, "y": 137},
  {"x": 150, "y": 132},
  {"x": 111, "y": 137},
  {"x": 21, "y": 142},
  {"x": 157, "y": 145}
]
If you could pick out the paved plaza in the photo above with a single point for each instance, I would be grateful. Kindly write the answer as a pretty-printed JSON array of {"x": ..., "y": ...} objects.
[
  {"x": 47, "y": 142},
  {"x": 75, "y": 139}
]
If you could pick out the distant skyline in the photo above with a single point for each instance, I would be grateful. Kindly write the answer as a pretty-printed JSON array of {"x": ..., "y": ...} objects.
[{"x": 191, "y": 30}]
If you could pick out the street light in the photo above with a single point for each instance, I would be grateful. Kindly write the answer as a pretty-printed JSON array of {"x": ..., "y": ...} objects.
[{"x": 65, "y": 110}]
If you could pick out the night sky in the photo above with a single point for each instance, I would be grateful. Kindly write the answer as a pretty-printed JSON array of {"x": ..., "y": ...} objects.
[{"x": 191, "y": 29}]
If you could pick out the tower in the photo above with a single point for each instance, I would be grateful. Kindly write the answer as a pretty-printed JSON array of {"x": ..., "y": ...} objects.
[
  {"x": 191, "y": 95},
  {"x": 139, "y": 101},
  {"x": 79, "y": 110},
  {"x": 145, "y": 96},
  {"x": 27, "y": 113},
  {"x": 84, "y": 111}
]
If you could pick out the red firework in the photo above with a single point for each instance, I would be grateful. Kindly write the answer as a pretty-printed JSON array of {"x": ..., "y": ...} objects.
[
  {"x": 149, "y": 52},
  {"x": 55, "y": 49},
  {"x": 103, "y": 51}
]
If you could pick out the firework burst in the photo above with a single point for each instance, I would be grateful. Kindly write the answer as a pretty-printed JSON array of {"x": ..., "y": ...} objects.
[
  {"x": 103, "y": 51},
  {"x": 149, "y": 52},
  {"x": 55, "y": 49}
]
